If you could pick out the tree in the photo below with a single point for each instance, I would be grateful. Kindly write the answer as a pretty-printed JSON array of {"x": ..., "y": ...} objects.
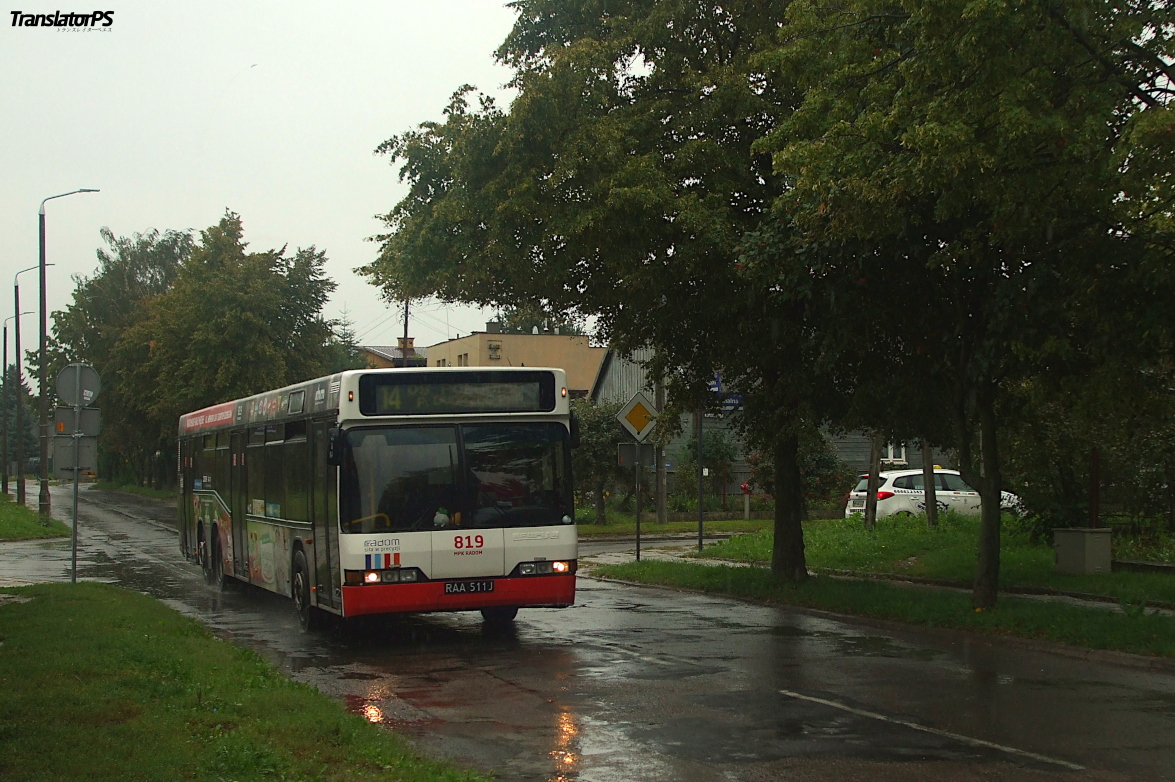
[
  {"x": 524, "y": 319},
  {"x": 343, "y": 348},
  {"x": 131, "y": 271},
  {"x": 619, "y": 184},
  {"x": 594, "y": 461},
  {"x": 233, "y": 323},
  {"x": 22, "y": 396},
  {"x": 968, "y": 158}
]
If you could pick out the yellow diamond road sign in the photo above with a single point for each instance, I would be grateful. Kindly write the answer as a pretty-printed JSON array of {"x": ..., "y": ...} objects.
[{"x": 639, "y": 417}]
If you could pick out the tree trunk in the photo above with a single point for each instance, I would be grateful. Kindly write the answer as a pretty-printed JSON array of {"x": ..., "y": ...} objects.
[
  {"x": 601, "y": 506},
  {"x": 987, "y": 571},
  {"x": 871, "y": 486},
  {"x": 787, "y": 556},
  {"x": 928, "y": 484}
]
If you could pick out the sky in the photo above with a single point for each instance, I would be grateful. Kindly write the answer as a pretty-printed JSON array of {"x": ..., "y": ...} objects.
[{"x": 179, "y": 111}]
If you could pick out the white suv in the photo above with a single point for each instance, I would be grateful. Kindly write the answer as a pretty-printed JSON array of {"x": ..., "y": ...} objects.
[{"x": 901, "y": 491}]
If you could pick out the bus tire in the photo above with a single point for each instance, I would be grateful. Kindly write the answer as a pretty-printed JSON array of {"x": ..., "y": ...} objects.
[
  {"x": 216, "y": 575},
  {"x": 204, "y": 554},
  {"x": 499, "y": 615},
  {"x": 308, "y": 616}
]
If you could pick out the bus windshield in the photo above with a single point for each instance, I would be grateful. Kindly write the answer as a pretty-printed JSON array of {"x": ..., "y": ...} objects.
[{"x": 407, "y": 478}]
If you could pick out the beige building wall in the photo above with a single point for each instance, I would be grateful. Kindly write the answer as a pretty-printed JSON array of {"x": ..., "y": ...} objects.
[{"x": 574, "y": 355}]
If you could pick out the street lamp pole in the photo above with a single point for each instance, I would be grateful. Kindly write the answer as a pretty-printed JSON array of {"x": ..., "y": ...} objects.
[
  {"x": 20, "y": 491},
  {"x": 4, "y": 401},
  {"x": 42, "y": 376}
]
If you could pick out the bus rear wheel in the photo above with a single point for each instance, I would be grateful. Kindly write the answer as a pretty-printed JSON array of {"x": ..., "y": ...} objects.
[
  {"x": 499, "y": 615},
  {"x": 204, "y": 554},
  {"x": 308, "y": 616}
]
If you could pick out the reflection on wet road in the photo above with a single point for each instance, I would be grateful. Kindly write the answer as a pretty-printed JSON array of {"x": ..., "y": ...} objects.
[{"x": 644, "y": 684}]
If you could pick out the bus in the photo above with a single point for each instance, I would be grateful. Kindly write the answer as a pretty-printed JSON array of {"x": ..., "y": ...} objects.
[{"x": 388, "y": 491}]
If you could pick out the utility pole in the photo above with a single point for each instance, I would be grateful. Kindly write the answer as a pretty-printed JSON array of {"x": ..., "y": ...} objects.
[
  {"x": 404, "y": 346},
  {"x": 659, "y": 457},
  {"x": 701, "y": 509}
]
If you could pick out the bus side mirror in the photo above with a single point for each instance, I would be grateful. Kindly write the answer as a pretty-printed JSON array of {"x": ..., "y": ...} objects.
[
  {"x": 574, "y": 431},
  {"x": 334, "y": 447}
]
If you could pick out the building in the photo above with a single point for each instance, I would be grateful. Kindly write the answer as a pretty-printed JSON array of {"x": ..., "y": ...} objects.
[
  {"x": 492, "y": 348},
  {"x": 387, "y": 356}
]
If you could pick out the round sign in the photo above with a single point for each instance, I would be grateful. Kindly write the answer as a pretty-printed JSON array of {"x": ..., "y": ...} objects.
[{"x": 78, "y": 385}]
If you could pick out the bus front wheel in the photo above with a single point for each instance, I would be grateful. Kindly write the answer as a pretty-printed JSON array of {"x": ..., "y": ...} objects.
[{"x": 308, "y": 617}]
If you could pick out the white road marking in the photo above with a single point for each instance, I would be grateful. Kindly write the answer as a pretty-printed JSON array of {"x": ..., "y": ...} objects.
[{"x": 935, "y": 731}]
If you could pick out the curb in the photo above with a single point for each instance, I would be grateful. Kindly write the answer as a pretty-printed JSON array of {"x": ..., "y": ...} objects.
[{"x": 1106, "y": 656}]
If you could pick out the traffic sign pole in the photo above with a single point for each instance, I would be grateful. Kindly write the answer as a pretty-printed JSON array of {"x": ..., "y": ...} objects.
[
  {"x": 639, "y": 417},
  {"x": 77, "y": 386},
  {"x": 637, "y": 470}
]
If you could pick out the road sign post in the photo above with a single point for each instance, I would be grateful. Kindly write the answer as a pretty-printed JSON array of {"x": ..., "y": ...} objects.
[
  {"x": 77, "y": 386},
  {"x": 639, "y": 417}
]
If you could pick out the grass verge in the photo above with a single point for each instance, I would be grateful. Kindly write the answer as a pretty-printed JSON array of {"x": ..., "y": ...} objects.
[
  {"x": 1136, "y": 631},
  {"x": 20, "y": 523},
  {"x": 904, "y": 546},
  {"x": 99, "y": 683},
  {"x": 132, "y": 488}
]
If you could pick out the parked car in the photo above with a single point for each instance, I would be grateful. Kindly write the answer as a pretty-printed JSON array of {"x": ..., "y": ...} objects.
[{"x": 902, "y": 491}]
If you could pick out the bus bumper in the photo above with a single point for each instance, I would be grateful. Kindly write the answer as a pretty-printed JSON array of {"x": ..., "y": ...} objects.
[{"x": 532, "y": 591}]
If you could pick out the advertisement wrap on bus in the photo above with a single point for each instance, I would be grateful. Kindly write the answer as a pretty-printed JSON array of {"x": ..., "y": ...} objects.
[{"x": 388, "y": 491}]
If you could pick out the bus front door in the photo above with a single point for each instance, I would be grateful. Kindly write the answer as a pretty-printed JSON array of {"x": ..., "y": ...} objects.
[{"x": 327, "y": 578}]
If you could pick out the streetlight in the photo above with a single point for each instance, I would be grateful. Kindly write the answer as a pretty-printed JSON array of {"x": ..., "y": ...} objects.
[
  {"x": 4, "y": 400},
  {"x": 19, "y": 407},
  {"x": 42, "y": 378}
]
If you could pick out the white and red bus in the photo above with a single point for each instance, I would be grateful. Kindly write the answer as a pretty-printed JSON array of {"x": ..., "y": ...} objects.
[{"x": 385, "y": 491}]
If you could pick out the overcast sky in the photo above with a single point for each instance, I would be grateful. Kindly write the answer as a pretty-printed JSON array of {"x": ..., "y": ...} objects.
[{"x": 178, "y": 111}]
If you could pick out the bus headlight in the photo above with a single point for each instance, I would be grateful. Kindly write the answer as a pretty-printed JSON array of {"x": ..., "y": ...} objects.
[
  {"x": 371, "y": 577},
  {"x": 408, "y": 575},
  {"x": 526, "y": 569},
  {"x": 560, "y": 567}
]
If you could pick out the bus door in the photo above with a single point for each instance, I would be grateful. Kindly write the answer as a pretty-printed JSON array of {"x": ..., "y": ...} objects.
[
  {"x": 237, "y": 492},
  {"x": 324, "y": 514},
  {"x": 186, "y": 513}
]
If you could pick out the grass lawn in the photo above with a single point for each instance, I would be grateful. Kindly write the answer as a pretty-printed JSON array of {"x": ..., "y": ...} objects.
[
  {"x": 1136, "y": 631},
  {"x": 904, "y": 546},
  {"x": 133, "y": 488},
  {"x": 99, "y": 683},
  {"x": 20, "y": 523}
]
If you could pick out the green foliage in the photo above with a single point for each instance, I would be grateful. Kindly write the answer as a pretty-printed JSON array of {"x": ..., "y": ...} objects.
[
  {"x": 22, "y": 396},
  {"x": 1094, "y": 628},
  {"x": 173, "y": 324},
  {"x": 866, "y": 213},
  {"x": 131, "y": 272},
  {"x": 524, "y": 319},
  {"x": 825, "y": 477},
  {"x": 594, "y": 462},
  {"x": 718, "y": 451},
  {"x": 20, "y": 523},
  {"x": 150, "y": 694}
]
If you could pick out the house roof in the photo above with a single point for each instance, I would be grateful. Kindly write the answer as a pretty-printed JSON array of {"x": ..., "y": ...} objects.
[{"x": 393, "y": 352}]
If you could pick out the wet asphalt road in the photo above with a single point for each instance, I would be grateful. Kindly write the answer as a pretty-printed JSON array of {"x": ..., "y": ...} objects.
[{"x": 644, "y": 684}]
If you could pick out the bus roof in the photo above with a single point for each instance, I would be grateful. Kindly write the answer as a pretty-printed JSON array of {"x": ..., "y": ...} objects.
[{"x": 319, "y": 396}]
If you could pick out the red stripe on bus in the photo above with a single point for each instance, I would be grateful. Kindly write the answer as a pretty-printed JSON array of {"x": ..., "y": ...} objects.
[{"x": 430, "y": 596}]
